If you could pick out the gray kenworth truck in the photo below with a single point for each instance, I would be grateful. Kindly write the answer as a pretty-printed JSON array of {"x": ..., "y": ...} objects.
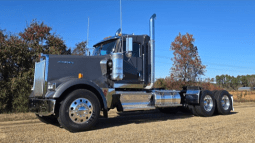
[{"x": 72, "y": 90}]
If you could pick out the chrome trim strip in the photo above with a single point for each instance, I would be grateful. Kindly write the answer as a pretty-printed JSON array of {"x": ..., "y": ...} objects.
[
  {"x": 131, "y": 92},
  {"x": 45, "y": 72},
  {"x": 46, "y": 66},
  {"x": 125, "y": 85},
  {"x": 137, "y": 107},
  {"x": 175, "y": 105}
]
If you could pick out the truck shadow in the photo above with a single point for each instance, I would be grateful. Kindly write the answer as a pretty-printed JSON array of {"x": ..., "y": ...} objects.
[
  {"x": 231, "y": 113},
  {"x": 138, "y": 117}
]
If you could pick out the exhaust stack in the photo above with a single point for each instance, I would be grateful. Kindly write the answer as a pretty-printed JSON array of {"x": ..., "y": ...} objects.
[{"x": 152, "y": 45}]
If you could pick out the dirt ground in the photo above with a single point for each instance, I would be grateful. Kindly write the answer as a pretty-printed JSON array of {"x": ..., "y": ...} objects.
[{"x": 142, "y": 126}]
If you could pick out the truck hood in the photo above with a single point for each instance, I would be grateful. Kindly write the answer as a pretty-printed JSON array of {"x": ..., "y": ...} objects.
[{"x": 62, "y": 66}]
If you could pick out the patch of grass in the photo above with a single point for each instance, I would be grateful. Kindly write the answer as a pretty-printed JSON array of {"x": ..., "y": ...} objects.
[
  {"x": 244, "y": 100},
  {"x": 239, "y": 96},
  {"x": 17, "y": 116}
]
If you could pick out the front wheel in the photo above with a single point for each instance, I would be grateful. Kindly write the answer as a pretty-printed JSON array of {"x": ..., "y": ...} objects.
[
  {"x": 206, "y": 105},
  {"x": 79, "y": 111}
]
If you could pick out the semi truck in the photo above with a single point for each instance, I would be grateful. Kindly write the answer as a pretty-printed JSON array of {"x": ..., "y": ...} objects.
[{"x": 72, "y": 90}]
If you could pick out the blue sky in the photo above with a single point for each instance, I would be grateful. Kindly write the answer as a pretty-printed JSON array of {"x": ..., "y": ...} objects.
[{"x": 224, "y": 30}]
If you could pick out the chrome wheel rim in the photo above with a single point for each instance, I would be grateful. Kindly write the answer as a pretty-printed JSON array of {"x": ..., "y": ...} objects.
[
  {"x": 80, "y": 110},
  {"x": 225, "y": 102},
  {"x": 208, "y": 103}
]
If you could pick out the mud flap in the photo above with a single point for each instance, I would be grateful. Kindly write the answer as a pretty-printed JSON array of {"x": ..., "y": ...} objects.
[{"x": 232, "y": 102}]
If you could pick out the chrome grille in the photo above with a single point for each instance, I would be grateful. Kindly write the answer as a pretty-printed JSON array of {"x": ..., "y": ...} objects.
[{"x": 39, "y": 78}]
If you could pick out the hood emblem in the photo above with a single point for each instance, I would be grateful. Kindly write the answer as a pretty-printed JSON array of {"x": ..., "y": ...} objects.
[{"x": 65, "y": 62}]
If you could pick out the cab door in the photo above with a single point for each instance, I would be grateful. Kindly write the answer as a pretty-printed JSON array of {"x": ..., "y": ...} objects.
[{"x": 132, "y": 66}]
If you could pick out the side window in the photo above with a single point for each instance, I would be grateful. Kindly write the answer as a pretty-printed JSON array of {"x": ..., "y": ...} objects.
[{"x": 136, "y": 49}]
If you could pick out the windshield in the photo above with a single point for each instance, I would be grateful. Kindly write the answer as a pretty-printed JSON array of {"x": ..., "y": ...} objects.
[{"x": 104, "y": 49}]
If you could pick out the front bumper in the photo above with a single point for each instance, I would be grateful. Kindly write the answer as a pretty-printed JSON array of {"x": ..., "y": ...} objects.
[{"x": 43, "y": 107}]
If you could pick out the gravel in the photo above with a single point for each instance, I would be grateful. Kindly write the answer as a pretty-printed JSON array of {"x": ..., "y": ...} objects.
[{"x": 143, "y": 126}]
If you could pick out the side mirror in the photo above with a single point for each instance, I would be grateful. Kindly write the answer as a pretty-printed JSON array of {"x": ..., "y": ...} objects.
[{"x": 129, "y": 46}]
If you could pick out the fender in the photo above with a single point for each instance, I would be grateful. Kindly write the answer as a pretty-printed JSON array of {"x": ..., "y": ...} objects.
[{"x": 75, "y": 81}]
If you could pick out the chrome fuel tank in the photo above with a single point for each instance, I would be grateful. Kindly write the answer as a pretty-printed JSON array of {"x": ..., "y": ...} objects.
[{"x": 167, "y": 98}]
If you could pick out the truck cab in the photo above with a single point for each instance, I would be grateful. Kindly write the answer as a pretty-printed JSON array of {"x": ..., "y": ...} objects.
[{"x": 135, "y": 59}]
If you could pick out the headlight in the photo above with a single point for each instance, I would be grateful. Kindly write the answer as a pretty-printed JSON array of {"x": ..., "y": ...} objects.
[{"x": 51, "y": 86}]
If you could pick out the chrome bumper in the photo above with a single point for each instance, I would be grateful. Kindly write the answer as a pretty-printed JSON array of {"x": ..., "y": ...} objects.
[{"x": 43, "y": 107}]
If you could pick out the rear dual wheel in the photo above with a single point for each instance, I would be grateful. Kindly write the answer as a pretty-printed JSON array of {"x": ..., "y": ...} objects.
[
  {"x": 223, "y": 102},
  {"x": 206, "y": 105},
  {"x": 218, "y": 102}
]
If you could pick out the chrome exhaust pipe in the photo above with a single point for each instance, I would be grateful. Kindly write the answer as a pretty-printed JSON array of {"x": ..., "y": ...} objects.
[{"x": 152, "y": 45}]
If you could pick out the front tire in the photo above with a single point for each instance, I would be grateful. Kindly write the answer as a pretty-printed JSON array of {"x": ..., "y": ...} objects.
[
  {"x": 206, "y": 106},
  {"x": 79, "y": 111}
]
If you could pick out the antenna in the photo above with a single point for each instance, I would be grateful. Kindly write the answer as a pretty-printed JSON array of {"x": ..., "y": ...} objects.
[
  {"x": 87, "y": 45},
  {"x": 120, "y": 18}
]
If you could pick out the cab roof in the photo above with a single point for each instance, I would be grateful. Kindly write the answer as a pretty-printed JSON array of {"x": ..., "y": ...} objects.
[{"x": 136, "y": 38}]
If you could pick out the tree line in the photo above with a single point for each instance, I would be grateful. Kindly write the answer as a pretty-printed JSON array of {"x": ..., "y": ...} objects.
[
  {"x": 231, "y": 82},
  {"x": 18, "y": 53}
]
